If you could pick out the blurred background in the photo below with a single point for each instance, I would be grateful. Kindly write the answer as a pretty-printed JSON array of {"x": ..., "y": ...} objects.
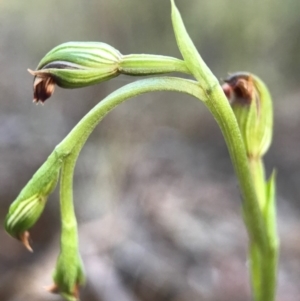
[{"x": 157, "y": 201}]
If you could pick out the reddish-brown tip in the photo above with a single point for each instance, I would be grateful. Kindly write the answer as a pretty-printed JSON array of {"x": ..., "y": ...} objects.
[
  {"x": 54, "y": 289},
  {"x": 227, "y": 89},
  {"x": 239, "y": 87},
  {"x": 24, "y": 238},
  {"x": 43, "y": 85}
]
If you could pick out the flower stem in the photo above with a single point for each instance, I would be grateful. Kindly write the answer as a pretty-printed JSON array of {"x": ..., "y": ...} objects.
[
  {"x": 84, "y": 128},
  {"x": 264, "y": 262},
  {"x": 217, "y": 103},
  {"x": 224, "y": 116},
  {"x": 257, "y": 205},
  {"x": 215, "y": 100},
  {"x": 69, "y": 272},
  {"x": 69, "y": 236}
]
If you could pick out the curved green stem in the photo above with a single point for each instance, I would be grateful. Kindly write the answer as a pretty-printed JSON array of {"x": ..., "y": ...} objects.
[
  {"x": 264, "y": 264},
  {"x": 69, "y": 223},
  {"x": 69, "y": 272},
  {"x": 260, "y": 228},
  {"x": 84, "y": 128},
  {"x": 259, "y": 262},
  {"x": 259, "y": 219},
  {"x": 151, "y": 64},
  {"x": 224, "y": 116},
  {"x": 222, "y": 112}
]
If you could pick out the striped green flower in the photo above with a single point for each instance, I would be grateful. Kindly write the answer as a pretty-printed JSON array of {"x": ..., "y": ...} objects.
[
  {"x": 74, "y": 65},
  {"x": 23, "y": 216},
  {"x": 252, "y": 105},
  {"x": 68, "y": 275},
  {"x": 30, "y": 203}
]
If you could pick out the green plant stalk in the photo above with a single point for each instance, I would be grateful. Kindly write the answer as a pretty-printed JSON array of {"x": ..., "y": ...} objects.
[
  {"x": 71, "y": 146},
  {"x": 222, "y": 112},
  {"x": 263, "y": 252},
  {"x": 259, "y": 219},
  {"x": 213, "y": 97},
  {"x": 216, "y": 102},
  {"x": 259, "y": 230},
  {"x": 257, "y": 170},
  {"x": 263, "y": 257},
  {"x": 150, "y": 64},
  {"x": 68, "y": 218},
  {"x": 273, "y": 240},
  {"x": 257, "y": 258},
  {"x": 68, "y": 275},
  {"x": 84, "y": 128},
  {"x": 255, "y": 266},
  {"x": 263, "y": 264},
  {"x": 269, "y": 272}
]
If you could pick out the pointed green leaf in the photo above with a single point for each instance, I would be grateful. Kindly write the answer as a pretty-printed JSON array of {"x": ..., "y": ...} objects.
[
  {"x": 191, "y": 56},
  {"x": 270, "y": 209}
]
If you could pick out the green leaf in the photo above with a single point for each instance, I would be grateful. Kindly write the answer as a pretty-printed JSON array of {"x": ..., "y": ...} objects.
[
  {"x": 191, "y": 56},
  {"x": 270, "y": 210}
]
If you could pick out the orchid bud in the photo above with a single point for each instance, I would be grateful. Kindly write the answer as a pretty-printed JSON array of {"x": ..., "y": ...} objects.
[
  {"x": 68, "y": 275},
  {"x": 24, "y": 213},
  {"x": 74, "y": 65},
  {"x": 252, "y": 106},
  {"x": 29, "y": 205}
]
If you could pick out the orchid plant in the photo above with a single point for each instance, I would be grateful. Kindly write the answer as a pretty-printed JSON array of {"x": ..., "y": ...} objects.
[{"x": 242, "y": 107}]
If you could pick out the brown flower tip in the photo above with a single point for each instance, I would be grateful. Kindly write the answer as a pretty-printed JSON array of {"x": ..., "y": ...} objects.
[
  {"x": 43, "y": 86},
  {"x": 24, "y": 238},
  {"x": 239, "y": 87},
  {"x": 54, "y": 289}
]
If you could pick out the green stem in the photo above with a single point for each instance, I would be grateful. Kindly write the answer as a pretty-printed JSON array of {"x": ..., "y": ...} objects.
[
  {"x": 218, "y": 105},
  {"x": 224, "y": 116},
  {"x": 146, "y": 64},
  {"x": 84, "y": 128},
  {"x": 255, "y": 259},
  {"x": 257, "y": 170},
  {"x": 256, "y": 256},
  {"x": 272, "y": 255},
  {"x": 263, "y": 264},
  {"x": 263, "y": 240},
  {"x": 221, "y": 110},
  {"x": 69, "y": 236},
  {"x": 69, "y": 273},
  {"x": 69, "y": 149},
  {"x": 269, "y": 274}
]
